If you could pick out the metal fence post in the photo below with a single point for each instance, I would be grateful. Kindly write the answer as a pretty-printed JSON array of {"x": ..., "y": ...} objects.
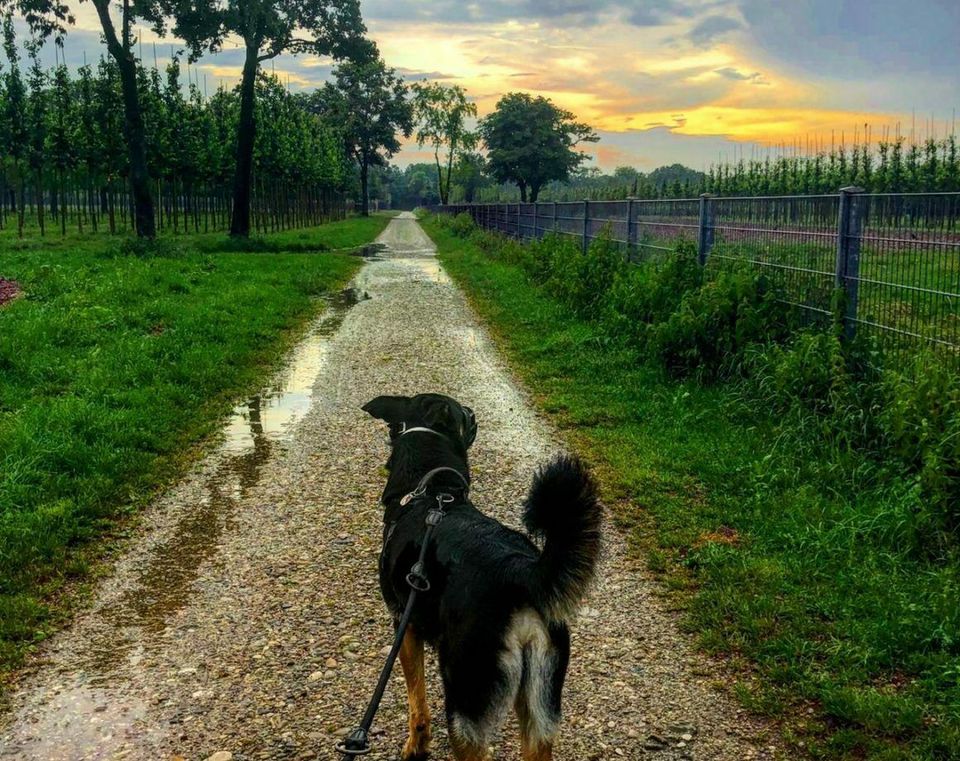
[
  {"x": 519, "y": 228},
  {"x": 554, "y": 216},
  {"x": 586, "y": 225},
  {"x": 536, "y": 221},
  {"x": 705, "y": 229},
  {"x": 631, "y": 230},
  {"x": 849, "y": 233}
]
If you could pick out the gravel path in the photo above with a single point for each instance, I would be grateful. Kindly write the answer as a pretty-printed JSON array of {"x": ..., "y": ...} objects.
[{"x": 245, "y": 617}]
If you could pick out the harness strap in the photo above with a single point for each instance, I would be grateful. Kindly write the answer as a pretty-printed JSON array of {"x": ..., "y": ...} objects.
[{"x": 421, "y": 489}]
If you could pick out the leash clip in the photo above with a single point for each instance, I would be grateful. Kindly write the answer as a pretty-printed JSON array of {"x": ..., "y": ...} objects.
[
  {"x": 406, "y": 499},
  {"x": 356, "y": 744},
  {"x": 417, "y": 579}
]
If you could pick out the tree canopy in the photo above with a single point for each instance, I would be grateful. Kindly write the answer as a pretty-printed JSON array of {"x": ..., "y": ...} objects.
[
  {"x": 268, "y": 28},
  {"x": 530, "y": 141},
  {"x": 368, "y": 104},
  {"x": 51, "y": 17},
  {"x": 441, "y": 114}
]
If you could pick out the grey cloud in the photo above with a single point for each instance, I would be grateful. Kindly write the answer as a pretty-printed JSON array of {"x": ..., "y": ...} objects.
[
  {"x": 708, "y": 29},
  {"x": 579, "y": 12},
  {"x": 729, "y": 72},
  {"x": 851, "y": 38}
]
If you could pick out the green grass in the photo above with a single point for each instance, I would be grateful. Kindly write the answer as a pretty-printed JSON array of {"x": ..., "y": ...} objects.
[
  {"x": 113, "y": 367},
  {"x": 794, "y": 572}
]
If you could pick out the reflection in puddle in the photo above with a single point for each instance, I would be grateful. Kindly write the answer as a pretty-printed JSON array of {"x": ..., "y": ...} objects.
[
  {"x": 427, "y": 266},
  {"x": 254, "y": 429}
]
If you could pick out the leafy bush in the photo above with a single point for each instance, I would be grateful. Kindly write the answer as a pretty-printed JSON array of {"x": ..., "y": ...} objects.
[
  {"x": 463, "y": 225},
  {"x": 581, "y": 280},
  {"x": 715, "y": 323},
  {"x": 641, "y": 296},
  {"x": 920, "y": 422}
]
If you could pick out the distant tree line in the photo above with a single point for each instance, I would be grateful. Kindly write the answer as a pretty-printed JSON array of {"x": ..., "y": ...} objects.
[
  {"x": 320, "y": 27},
  {"x": 892, "y": 166},
  {"x": 64, "y": 160}
]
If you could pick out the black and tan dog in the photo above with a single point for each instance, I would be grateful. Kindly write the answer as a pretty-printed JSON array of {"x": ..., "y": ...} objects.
[{"x": 498, "y": 608}]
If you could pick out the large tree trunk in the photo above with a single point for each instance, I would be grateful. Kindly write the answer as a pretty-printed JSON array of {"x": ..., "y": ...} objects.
[
  {"x": 132, "y": 122},
  {"x": 364, "y": 194},
  {"x": 246, "y": 136},
  {"x": 137, "y": 146}
]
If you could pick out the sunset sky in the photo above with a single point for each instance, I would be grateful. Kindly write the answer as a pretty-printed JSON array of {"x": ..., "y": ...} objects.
[{"x": 662, "y": 81}]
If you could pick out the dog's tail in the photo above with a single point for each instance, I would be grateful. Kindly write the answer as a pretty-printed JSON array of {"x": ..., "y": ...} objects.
[{"x": 563, "y": 508}]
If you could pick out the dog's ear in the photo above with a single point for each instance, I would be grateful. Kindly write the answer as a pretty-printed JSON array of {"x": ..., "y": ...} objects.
[{"x": 392, "y": 409}]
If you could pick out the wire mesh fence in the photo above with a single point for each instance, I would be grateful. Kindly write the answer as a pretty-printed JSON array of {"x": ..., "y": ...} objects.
[{"x": 886, "y": 264}]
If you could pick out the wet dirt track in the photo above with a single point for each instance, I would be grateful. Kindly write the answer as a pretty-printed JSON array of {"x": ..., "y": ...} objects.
[{"x": 245, "y": 619}]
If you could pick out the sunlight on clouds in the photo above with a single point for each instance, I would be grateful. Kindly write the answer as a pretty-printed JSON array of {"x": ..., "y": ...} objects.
[
  {"x": 764, "y": 126},
  {"x": 710, "y": 60},
  {"x": 621, "y": 77}
]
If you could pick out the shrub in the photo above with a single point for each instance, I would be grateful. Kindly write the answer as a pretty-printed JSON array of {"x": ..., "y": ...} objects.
[
  {"x": 462, "y": 225},
  {"x": 582, "y": 280},
  {"x": 919, "y": 421},
  {"x": 714, "y": 323},
  {"x": 643, "y": 295}
]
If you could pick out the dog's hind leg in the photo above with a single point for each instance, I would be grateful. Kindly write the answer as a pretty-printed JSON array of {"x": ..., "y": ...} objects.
[
  {"x": 468, "y": 741},
  {"x": 411, "y": 659},
  {"x": 537, "y": 703}
]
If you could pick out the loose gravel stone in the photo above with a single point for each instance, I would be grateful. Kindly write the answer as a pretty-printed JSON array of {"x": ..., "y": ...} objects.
[{"x": 258, "y": 572}]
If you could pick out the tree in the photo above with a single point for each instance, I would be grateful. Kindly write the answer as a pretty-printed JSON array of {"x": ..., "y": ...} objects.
[
  {"x": 51, "y": 17},
  {"x": 368, "y": 105},
  {"x": 331, "y": 27},
  {"x": 531, "y": 142},
  {"x": 441, "y": 113},
  {"x": 469, "y": 175}
]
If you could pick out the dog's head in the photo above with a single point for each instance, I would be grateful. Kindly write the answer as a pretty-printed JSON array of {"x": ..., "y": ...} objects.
[{"x": 434, "y": 411}]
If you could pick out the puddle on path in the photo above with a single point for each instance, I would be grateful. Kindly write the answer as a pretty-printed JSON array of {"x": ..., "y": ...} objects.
[
  {"x": 255, "y": 428},
  {"x": 429, "y": 267},
  {"x": 370, "y": 251}
]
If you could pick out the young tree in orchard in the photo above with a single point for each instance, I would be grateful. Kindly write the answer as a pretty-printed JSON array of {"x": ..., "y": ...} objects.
[
  {"x": 441, "y": 113},
  {"x": 267, "y": 28},
  {"x": 368, "y": 105},
  {"x": 531, "y": 142},
  {"x": 48, "y": 18}
]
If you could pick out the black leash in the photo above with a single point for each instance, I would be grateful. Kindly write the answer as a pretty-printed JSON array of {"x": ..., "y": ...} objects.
[{"x": 357, "y": 743}]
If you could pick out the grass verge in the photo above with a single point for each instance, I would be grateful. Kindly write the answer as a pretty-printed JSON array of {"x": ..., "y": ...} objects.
[
  {"x": 846, "y": 637},
  {"x": 117, "y": 361}
]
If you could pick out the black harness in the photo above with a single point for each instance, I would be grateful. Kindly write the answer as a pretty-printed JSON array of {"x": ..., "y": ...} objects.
[{"x": 357, "y": 743}]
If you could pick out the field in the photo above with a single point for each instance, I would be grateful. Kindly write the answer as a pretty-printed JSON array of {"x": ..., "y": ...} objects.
[
  {"x": 118, "y": 361},
  {"x": 790, "y": 554}
]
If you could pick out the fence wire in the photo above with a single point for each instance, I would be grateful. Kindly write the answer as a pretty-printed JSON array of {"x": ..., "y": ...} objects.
[{"x": 889, "y": 262}]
